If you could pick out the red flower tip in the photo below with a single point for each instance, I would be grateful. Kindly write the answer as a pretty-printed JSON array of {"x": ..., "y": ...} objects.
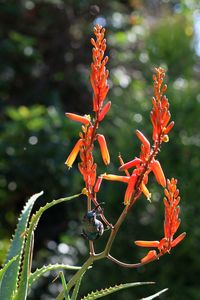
[
  {"x": 158, "y": 172},
  {"x": 103, "y": 148}
]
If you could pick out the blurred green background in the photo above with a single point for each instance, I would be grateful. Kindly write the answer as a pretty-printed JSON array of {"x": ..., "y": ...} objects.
[{"x": 45, "y": 57}]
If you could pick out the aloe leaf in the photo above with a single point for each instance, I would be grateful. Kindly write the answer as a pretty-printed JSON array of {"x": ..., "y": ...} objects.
[
  {"x": 23, "y": 284},
  {"x": 154, "y": 295},
  {"x": 5, "y": 268},
  {"x": 76, "y": 288},
  {"x": 104, "y": 292},
  {"x": 64, "y": 284},
  {"x": 39, "y": 272},
  {"x": 10, "y": 278}
]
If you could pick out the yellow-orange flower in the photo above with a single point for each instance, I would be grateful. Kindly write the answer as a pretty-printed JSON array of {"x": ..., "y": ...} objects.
[{"x": 71, "y": 158}]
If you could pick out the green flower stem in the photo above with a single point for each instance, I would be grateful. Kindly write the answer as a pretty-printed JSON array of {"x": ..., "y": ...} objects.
[
  {"x": 76, "y": 277},
  {"x": 114, "y": 231},
  {"x": 95, "y": 257}
]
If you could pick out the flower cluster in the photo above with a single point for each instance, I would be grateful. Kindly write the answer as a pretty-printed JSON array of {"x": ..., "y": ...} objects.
[
  {"x": 146, "y": 162},
  {"x": 137, "y": 170},
  {"x": 171, "y": 225},
  {"x": 85, "y": 144}
]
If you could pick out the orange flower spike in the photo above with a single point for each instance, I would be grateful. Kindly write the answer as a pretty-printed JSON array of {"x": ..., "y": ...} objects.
[
  {"x": 112, "y": 177},
  {"x": 130, "y": 189},
  {"x": 144, "y": 141},
  {"x": 103, "y": 148},
  {"x": 99, "y": 73},
  {"x": 133, "y": 163},
  {"x": 151, "y": 255},
  {"x": 158, "y": 172},
  {"x": 104, "y": 111},
  {"x": 71, "y": 158},
  {"x": 82, "y": 119}
]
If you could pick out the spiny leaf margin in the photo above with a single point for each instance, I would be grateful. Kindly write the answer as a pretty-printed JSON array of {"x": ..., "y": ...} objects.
[
  {"x": 6, "y": 266},
  {"x": 104, "y": 292},
  {"x": 77, "y": 287},
  {"x": 21, "y": 293},
  {"x": 10, "y": 278},
  {"x": 39, "y": 272}
]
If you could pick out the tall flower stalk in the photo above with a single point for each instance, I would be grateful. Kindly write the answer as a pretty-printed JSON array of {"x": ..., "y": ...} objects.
[
  {"x": 17, "y": 277},
  {"x": 136, "y": 171}
]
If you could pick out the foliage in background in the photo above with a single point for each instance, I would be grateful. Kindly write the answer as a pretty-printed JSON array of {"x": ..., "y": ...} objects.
[{"x": 44, "y": 62}]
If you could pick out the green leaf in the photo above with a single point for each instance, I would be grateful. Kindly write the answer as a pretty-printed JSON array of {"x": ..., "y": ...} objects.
[
  {"x": 113, "y": 289},
  {"x": 154, "y": 295},
  {"x": 10, "y": 278},
  {"x": 39, "y": 272},
  {"x": 76, "y": 288},
  {"x": 5, "y": 268},
  {"x": 64, "y": 284},
  {"x": 23, "y": 284}
]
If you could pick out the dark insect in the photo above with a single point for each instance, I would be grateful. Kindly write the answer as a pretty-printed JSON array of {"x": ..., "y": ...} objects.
[{"x": 93, "y": 228}]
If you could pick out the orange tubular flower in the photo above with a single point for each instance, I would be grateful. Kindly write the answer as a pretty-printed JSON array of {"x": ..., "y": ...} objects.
[
  {"x": 103, "y": 148},
  {"x": 151, "y": 255},
  {"x": 71, "y": 158},
  {"x": 115, "y": 178},
  {"x": 171, "y": 225},
  {"x": 82, "y": 119},
  {"x": 130, "y": 189},
  {"x": 133, "y": 163},
  {"x": 158, "y": 172},
  {"x": 144, "y": 142},
  {"x": 104, "y": 111}
]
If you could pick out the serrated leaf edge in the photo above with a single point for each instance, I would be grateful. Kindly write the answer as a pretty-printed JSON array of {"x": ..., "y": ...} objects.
[
  {"x": 28, "y": 206},
  {"x": 41, "y": 271},
  {"x": 104, "y": 292},
  {"x": 23, "y": 284}
]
